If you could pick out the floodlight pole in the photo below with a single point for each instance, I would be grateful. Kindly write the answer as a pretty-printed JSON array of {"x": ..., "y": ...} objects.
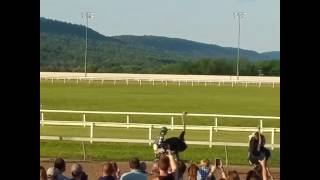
[
  {"x": 85, "y": 54},
  {"x": 87, "y": 16},
  {"x": 239, "y": 15}
]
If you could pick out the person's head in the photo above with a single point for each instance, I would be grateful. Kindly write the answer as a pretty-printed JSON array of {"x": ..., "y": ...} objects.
[
  {"x": 43, "y": 173},
  {"x": 164, "y": 163},
  {"x": 134, "y": 163},
  {"x": 114, "y": 165},
  {"x": 107, "y": 169},
  {"x": 181, "y": 168},
  {"x": 155, "y": 168},
  {"x": 192, "y": 170},
  {"x": 205, "y": 162},
  {"x": 233, "y": 175},
  {"x": 60, "y": 164},
  {"x": 143, "y": 166},
  {"x": 253, "y": 175},
  {"x": 52, "y": 173},
  {"x": 163, "y": 131},
  {"x": 76, "y": 170}
]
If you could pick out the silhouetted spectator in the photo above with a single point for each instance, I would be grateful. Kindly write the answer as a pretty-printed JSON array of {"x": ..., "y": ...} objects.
[
  {"x": 78, "y": 173},
  {"x": 60, "y": 164},
  {"x": 165, "y": 163},
  {"x": 233, "y": 175},
  {"x": 143, "y": 167},
  {"x": 52, "y": 173},
  {"x": 253, "y": 175},
  {"x": 135, "y": 173},
  {"x": 107, "y": 172},
  {"x": 192, "y": 172},
  {"x": 116, "y": 170},
  {"x": 204, "y": 171},
  {"x": 43, "y": 173},
  {"x": 155, "y": 169},
  {"x": 181, "y": 169}
]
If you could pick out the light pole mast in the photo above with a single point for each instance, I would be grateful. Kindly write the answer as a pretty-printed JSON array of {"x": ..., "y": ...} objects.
[
  {"x": 87, "y": 16},
  {"x": 239, "y": 15}
]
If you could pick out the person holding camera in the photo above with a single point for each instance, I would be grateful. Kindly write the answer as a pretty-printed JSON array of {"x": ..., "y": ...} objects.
[
  {"x": 167, "y": 167},
  {"x": 218, "y": 168}
]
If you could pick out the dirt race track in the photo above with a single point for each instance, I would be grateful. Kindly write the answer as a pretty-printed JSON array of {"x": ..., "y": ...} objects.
[{"x": 93, "y": 168}]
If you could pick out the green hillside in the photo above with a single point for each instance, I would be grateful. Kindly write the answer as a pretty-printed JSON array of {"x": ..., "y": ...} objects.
[{"x": 62, "y": 47}]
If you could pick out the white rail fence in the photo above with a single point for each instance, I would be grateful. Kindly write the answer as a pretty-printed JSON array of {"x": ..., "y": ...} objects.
[
  {"x": 211, "y": 129},
  {"x": 205, "y": 80}
]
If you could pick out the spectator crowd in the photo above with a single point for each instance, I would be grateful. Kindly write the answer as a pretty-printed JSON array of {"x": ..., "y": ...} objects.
[{"x": 166, "y": 167}]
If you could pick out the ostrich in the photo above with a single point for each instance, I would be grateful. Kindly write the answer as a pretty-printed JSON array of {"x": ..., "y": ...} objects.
[{"x": 173, "y": 144}]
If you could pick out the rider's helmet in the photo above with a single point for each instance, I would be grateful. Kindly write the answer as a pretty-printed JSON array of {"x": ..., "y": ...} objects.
[{"x": 163, "y": 131}]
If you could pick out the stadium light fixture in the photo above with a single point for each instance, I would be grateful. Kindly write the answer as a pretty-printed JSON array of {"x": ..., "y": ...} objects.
[
  {"x": 239, "y": 15},
  {"x": 87, "y": 15}
]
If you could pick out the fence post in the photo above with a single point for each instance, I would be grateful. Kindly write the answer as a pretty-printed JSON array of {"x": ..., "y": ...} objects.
[
  {"x": 102, "y": 81},
  {"x": 261, "y": 125},
  {"x": 152, "y": 82},
  {"x": 150, "y": 134},
  {"x": 219, "y": 83},
  {"x": 172, "y": 123},
  {"x": 192, "y": 82},
  {"x": 42, "y": 119},
  {"x": 64, "y": 80},
  {"x": 205, "y": 84},
  {"x": 246, "y": 84},
  {"x": 91, "y": 133},
  {"x": 127, "y": 81},
  {"x": 179, "y": 83},
  {"x": 166, "y": 83},
  {"x": 272, "y": 139},
  {"x": 225, "y": 149},
  {"x": 84, "y": 120},
  {"x": 140, "y": 82},
  {"x": 84, "y": 151},
  {"x": 273, "y": 85},
  {"x": 210, "y": 137},
  {"x": 128, "y": 121},
  {"x": 216, "y": 124},
  {"x": 51, "y": 80}
]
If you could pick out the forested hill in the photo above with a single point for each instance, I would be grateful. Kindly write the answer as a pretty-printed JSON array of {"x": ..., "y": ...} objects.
[{"x": 62, "y": 48}]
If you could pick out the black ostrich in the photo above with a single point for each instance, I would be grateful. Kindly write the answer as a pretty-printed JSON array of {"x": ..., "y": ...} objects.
[
  {"x": 177, "y": 144},
  {"x": 172, "y": 144},
  {"x": 257, "y": 151}
]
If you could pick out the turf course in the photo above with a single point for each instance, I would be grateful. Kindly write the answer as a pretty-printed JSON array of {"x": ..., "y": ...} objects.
[{"x": 199, "y": 98}]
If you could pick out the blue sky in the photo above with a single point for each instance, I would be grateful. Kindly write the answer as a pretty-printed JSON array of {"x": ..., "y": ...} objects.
[{"x": 207, "y": 21}]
